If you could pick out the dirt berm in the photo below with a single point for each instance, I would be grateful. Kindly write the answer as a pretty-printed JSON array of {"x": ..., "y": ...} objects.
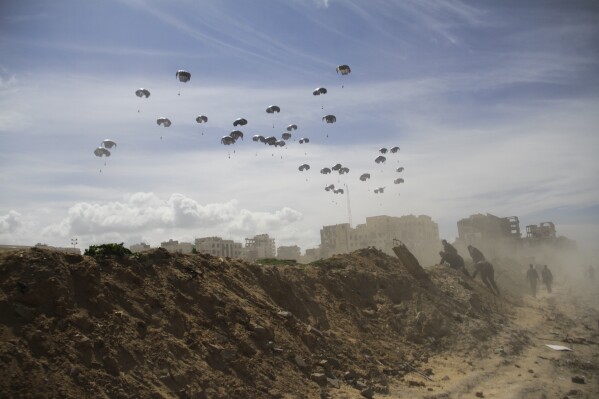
[{"x": 159, "y": 325}]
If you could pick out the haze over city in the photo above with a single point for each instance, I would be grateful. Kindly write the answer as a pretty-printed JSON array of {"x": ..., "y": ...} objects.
[{"x": 493, "y": 105}]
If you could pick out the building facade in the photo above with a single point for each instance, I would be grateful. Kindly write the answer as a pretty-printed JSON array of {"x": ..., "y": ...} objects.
[
  {"x": 419, "y": 233},
  {"x": 216, "y": 246},
  {"x": 175, "y": 246},
  {"x": 292, "y": 252},
  {"x": 259, "y": 247},
  {"x": 141, "y": 247}
]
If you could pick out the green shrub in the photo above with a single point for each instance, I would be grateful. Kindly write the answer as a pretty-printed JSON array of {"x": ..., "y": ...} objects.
[{"x": 106, "y": 250}]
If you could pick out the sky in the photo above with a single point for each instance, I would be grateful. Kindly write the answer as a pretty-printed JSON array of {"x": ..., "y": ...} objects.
[{"x": 494, "y": 105}]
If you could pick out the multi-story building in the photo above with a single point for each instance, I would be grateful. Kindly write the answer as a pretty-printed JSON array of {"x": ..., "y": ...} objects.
[
  {"x": 217, "y": 246},
  {"x": 259, "y": 247},
  {"x": 419, "y": 233},
  {"x": 491, "y": 234},
  {"x": 141, "y": 247},
  {"x": 175, "y": 246},
  {"x": 292, "y": 252}
]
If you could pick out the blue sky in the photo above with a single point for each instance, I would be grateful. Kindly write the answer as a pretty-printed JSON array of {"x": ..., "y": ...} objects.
[{"x": 493, "y": 104}]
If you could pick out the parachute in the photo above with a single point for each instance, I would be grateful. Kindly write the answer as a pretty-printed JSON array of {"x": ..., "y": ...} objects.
[
  {"x": 240, "y": 122},
  {"x": 319, "y": 91},
  {"x": 398, "y": 180},
  {"x": 338, "y": 191},
  {"x": 270, "y": 140},
  {"x": 291, "y": 127},
  {"x": 236, "y": 135},
  {"x": 325, "y": 171},
  {"x": 142, "y": 93},
  {"x": 400, "y": 169},
  {"x": 380, "y": 159},
  {"x": 329, "y": 187},
  {"x": 108, "y": 144},
  {"x": 365, "y": 176},
  {"x": 337, "y": 167},
  {"x": 343, "y": 171},
  {"x": 304, "y": 140},
  {"x": 379, "y": 190},
  {"x": 329, "y": 118},
  {"x": 101, "y": 152},
  {"x": 280, "y": 143},
  {"x": 183, "y": 76},
  {"x": 272, "y": 109},
  {"x": 394, "y": 149},
  {"x": 304, "y": 167},
  {"x": 343, "y": 69},
  {"x": 202, "y": 118},
  {"x": 166, "y": 122},
  {"x": 286, "y": 136},
  {"x": 227, "y": 140},
  {"x": 258, "y": 137},
  {"x": 383, "y": 150}
]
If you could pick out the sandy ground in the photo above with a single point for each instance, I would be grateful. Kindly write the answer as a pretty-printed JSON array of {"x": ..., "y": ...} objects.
[{"x": 517, "y": 363}]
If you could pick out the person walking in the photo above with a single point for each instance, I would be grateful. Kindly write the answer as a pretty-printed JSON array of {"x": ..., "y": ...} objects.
[
  {"x": 547, "y": 278},
  {"x": 455, "y": 261},
  {"x": 448, "y": 248},
  {"x": 487, "y": 274},
  {"x": 533, "y": 277}
]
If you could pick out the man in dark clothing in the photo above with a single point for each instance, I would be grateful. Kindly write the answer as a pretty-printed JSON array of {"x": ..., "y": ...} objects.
[
  {"x": 533, "y": 277},
  {"x": 547, "y": 278},
  {"x": 455, "y": 261},
  {"x": 448, "y": 248},
  {"x": 475, "y": 254},
  {"x": 487, "y": 274}
]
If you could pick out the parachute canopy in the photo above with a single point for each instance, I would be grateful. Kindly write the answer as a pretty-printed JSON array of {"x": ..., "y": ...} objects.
[
  {"x": 338, "y": 191},
  {"x": 142, "y": 93},
  {"x": 286, "y": 136},
  {"x": 272, "y": 109},
  {"x": 343, "y": 170},
  {"x": 379, "y": 190},
  {"x": 166, "y": 122},
  {"x": 398, "y": 180},
  {"x": 329, "y": 187},
  {"x": 329, "y": 118},
  {"x": 400, "y": 169},
  {"x": 240, "y": 122},
  {"x": 380, "y": 159},
  {"x": 101, "y": 152},
  {"x": 304, "y": 167},
  {"x": 394, "y": 149},
  {"x": 319, "y": 91},
  {"x": 343, "y": 69},
  {"x": 337, "y": 166},
  {"x": 183, "y": 75},
  {"x": 258, "y": 137},
  {"x": 291, "y": 127},
  {"x": 227, "y": 140},
  {"x": 325, "y": 171},
  {"x": 365, "y": 176},
  {"x": 202, "y": 119},
  {"x": 304, "y": 140},
  {"x": 236, "y": 135},
  {"x": 108, "y": 143},
  {"x": 383, "y": 150}
]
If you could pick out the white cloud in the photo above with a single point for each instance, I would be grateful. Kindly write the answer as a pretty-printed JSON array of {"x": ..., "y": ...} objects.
[{"x": 10, "y": 222}]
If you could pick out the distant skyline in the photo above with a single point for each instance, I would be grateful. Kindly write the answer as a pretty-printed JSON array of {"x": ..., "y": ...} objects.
[{"x": 493, "y": 104}]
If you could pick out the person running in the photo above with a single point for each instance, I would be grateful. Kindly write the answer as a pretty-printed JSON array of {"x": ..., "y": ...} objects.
[
  {"x": 454, "y": 261},
  {"x": 532, "y": 277},
  {"x": 547, "y": 278},
  {"x": 487, "y": 274},
  {"x": 475, "y": 254}
]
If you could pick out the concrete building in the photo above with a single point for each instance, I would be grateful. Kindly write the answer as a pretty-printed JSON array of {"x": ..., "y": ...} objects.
[
  {"x": 493, "y": 235},
  {"x": 175, "y": 246},
  {"x": 292, "y": 252},
  {"x": 311, "y": 255},
  {"x": 419, "y": 233},
  {"x": 141, "y": 247},
  {"x": 259, "y": 247},
  {"x": 216, "y": 246}
]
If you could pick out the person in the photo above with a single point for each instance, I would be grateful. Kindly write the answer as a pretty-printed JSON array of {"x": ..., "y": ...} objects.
[
  {"x": 547, "y": 278},
  {"x": 533, "y": 277},
  {"x": 475, "y": 254},
  {"x": 455, "y": 261},
  {"x": 448, "y": 248},
  {"x": 487, "y": 274}
]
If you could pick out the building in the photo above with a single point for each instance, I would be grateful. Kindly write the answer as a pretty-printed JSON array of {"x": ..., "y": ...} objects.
[
  {"x": 491, "y": 234},
  {"x": 311, "y": 255},
  {"x": 141, "y": 247},
  {"x": 292, "y": 252},
  {"x": 175, "y": 246},
  {"x": 216, "y": 246},
  {"x": 419, "y": 233},
  {"x": 259, "y": 247}
]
